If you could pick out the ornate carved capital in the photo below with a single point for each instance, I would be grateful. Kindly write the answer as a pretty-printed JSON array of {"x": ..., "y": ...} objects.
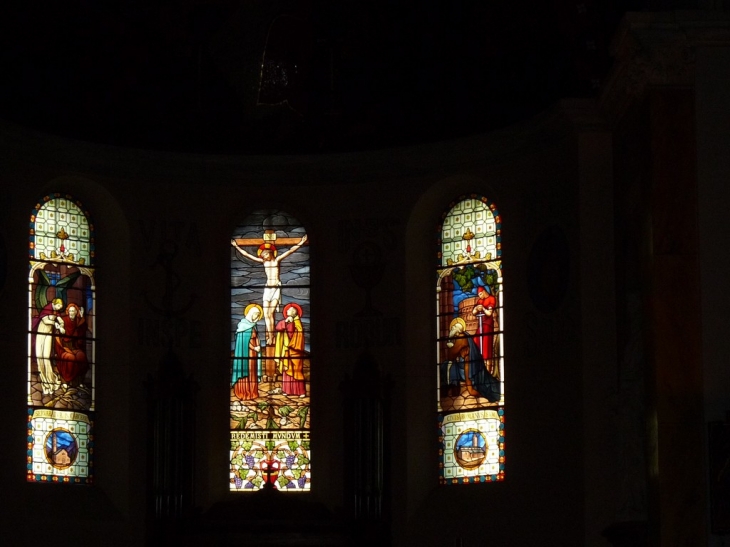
[{"x": 658, "y": 49}]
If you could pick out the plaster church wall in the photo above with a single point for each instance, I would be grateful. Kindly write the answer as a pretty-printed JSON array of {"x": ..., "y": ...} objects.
[
  {"x": 107, "y": 507},
  {"x": 169, "y": 216},
  {"x": 580, "y": 376}
]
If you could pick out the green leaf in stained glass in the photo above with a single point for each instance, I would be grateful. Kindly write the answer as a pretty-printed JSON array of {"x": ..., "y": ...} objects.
[
  {"x": 41, "y": 298},
  {"x": 464, "y": 277},
  {"x": 469, "y": 257},
  {"x": 303, "y": 415},
  {"x": 285, "y": 241}
]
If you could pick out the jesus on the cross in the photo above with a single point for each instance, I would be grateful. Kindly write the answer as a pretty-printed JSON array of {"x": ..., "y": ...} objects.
[{"x": 269, "y": 257}]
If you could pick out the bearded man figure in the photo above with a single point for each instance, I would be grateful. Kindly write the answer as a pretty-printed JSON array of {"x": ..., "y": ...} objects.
[
  {"x": 270, "y": 259},
  {"x": 467, "y": 366},
  {"x": 71, "y": 360}
]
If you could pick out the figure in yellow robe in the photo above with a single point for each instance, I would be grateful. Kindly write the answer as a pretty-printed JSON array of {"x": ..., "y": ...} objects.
[{"x": 289, "y": 351}]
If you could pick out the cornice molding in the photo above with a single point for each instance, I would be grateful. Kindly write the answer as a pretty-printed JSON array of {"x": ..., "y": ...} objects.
[
  {"x": 23, "y": 146},
  {"x": 658, "y": 49}
]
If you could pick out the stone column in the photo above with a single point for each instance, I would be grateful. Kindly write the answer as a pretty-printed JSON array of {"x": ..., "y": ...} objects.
[
  {"x": 651, "y": 93},
  {"x": 712, "y": 114},
  {"x": 598, "y": 314}
]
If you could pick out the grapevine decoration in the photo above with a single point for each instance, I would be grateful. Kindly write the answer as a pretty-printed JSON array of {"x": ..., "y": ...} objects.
[
  {"x": 469, "y": 347},
  {"x": 465, "y": 277},
  {"x": 270, "y": 354},
  {"x": 256, "y": 464}
]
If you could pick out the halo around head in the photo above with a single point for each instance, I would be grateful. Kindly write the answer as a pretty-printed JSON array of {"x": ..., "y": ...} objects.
[
  {"x": 248, "y": 308},
  {"x": 292, "y": 305},
  {"x": 458, "y": 321},
  {"x": 266, "y": 247}
]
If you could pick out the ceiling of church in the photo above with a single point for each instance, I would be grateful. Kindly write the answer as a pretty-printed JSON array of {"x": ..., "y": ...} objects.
[{"x": 296, "y": 76}]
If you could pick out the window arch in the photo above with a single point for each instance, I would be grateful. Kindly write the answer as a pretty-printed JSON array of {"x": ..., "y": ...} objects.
[
  {"x": 61, "y": 342},
  {"x": 470, "y": 342},
  {"x": 270, "y": 354}
]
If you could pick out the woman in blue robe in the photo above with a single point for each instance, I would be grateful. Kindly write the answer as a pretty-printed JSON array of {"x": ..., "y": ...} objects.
[{"x": 246, "y": 355}]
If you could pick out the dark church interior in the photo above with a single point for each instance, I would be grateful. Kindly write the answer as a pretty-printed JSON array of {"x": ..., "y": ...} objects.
[{"x": 600, "y": 128}]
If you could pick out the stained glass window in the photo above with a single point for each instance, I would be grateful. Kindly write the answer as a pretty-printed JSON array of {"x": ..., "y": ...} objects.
[
  {"x": 270, "y": 354},
  {"x": 470, "y": 343},
  {"x": 61, "y": 342}
]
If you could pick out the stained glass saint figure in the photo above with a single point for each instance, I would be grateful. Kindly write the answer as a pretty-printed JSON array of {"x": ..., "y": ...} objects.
[
  {"x": 270, "y": 354},
  {"x": 61, "y": 342},
  {"x": 470, "y": 345}
]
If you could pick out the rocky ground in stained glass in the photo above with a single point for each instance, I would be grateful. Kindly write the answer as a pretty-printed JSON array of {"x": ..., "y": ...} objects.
[
  {"x": 464, "y": 401},
  {"x": 71, "y": 398},
  {"x": 272, "y": 410}
]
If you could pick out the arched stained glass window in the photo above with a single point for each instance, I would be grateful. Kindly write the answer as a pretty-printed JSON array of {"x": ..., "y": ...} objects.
[
  {"x": 470, "y": 343},
  {"x": 61, "y": 342},
  {"x": 270, "y": 354}
]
